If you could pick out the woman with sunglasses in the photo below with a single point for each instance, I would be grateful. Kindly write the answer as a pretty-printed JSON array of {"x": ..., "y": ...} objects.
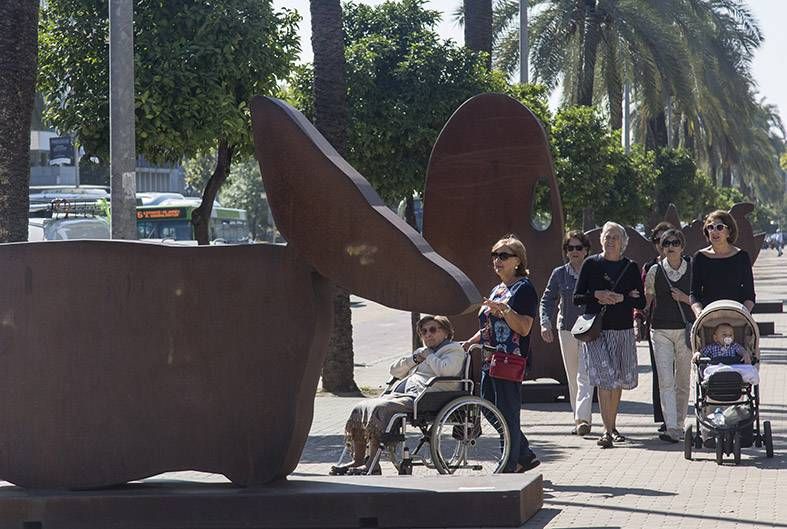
[
  {"x": 560, "y": 291},
  {"x": 642, "y": 319},
  {"x": 721, "y": 270},
  {"x": 666, "y": 286},
  {"x": 439, "y": 357},
  {"x": 612, "y": 280},
  {"x": 506, "y": 319}
]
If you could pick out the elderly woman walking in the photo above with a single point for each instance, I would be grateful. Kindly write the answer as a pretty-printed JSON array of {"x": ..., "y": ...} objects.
[
  {"x": 560, "y": 291},
  {"x": 611, "y": 280}
]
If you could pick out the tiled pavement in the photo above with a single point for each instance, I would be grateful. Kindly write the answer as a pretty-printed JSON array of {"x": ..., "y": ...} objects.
[{"x": 641, "y": 483}]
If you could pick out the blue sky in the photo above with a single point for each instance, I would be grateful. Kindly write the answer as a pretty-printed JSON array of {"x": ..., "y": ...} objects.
[{"x": 768, "y": 68}]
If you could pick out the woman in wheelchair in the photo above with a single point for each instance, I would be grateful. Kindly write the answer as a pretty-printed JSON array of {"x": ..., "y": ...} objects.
[{"x": 439, "y": 357}]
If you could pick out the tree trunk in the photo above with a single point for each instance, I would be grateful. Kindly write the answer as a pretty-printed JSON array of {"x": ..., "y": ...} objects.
[
  {"x": 726, "y": 175},
  {"x": 200, "y": 217},
  {"x": 615, "y": 94},
  {"x": 18, "y": 66},
  {"x": 330, "y": 118},
  {"x": 589, "y": 51},
  {"x": 587, "y": 219},
  {"x": 478, "y": 27},
  {"x": 409, "y": 217},
  {"x": 656, "y": 135}
]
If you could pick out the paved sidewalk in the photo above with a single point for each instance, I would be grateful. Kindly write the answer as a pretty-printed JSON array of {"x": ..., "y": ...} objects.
[{"x": 641, "y": 483}]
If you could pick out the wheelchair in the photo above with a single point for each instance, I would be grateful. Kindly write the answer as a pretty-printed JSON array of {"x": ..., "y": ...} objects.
[{"x": 456, "y": 431}]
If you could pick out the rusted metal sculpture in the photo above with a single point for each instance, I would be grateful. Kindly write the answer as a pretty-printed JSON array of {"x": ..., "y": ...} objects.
[
  {"x": 122, "y": 360},
  {"x": 642, "y": 250},
  {"x": 480, "y": 185}
]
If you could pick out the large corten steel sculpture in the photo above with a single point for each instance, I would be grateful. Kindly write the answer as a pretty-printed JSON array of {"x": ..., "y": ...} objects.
[
  {"x": 121, "y": 360},
  {"x": 482, "y": 176}
]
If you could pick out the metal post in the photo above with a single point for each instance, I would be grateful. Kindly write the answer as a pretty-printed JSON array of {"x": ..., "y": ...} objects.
[
  {"x": 76, "y": 162},
  {"x": 122, "y": 148},
  {"x": 523, "y": 49}
]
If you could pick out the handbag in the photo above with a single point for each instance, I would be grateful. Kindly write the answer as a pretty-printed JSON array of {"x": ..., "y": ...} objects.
[
  {"x": 506, "y": 366},
  {"x": 588, "y": 326},
  {"x": 687, "y": 325}
]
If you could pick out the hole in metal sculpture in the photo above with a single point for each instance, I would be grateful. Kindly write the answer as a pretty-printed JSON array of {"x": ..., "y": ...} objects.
[{"x": 541, "y": 206}]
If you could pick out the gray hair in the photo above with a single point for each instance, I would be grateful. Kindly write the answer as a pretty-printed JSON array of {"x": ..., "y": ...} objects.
[{"x": 624, "y": 237}]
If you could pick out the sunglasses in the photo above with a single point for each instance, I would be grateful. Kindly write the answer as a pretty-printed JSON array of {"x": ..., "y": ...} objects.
[
  {"x": 429, "y": 330},
  {"x": 502, "y": 255},
  {"x": 717, "y": 227},
  {"x": 572, "y": 248},
  {"x": 676, "y": 243}
]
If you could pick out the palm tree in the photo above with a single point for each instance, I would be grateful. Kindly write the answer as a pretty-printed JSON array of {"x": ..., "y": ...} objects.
[
  {"x": 19, "y": 52},
  {"x": 330, "y": 118},
  {"x": 478, "y": 26}
]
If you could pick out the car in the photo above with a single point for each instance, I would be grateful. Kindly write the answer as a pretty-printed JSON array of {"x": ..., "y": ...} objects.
[
  {"x": 61, "y": 220},
  {"x": 62, "y": 228}
]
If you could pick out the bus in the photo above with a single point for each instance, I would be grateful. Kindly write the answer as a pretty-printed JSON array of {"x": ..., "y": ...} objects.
[{"x": 171, "y": 220}]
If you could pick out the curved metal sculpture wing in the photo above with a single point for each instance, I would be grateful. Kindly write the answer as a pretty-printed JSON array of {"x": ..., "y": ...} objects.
[
  {"x": 331, "y": 214},
  {"x": 480, "y": 185}
]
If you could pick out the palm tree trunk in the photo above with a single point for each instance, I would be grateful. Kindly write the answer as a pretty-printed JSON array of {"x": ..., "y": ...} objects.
[
  {"x": 18, "y": 66},
  {"x": 657, "y": 132},
  {"x": 200, "y": 217},
  {"x": 589, "y": 51},
  {"x": 478, "y": 27},
  {"x": 330, "y": 118}
]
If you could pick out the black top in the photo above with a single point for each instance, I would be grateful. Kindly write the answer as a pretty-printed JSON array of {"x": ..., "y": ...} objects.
[
  {"x": 666, "y": 314},
  {"x": 723, "y": 278},
  {"x": 599, "y": 274}
]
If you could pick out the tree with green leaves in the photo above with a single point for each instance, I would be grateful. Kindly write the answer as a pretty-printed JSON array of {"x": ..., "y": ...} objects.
[
  {"x": 593, "y": 171},
  {"x": 18, "y": 64},
  {"x": 194, "y": 78}
]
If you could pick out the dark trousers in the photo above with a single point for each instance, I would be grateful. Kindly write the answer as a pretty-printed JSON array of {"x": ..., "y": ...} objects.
[
  {"x": 507, "y": 396},
  {"x": 658, "y": 415}
]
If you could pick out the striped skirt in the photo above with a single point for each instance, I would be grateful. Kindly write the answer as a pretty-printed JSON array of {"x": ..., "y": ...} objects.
[{"x": 611, "y": 359}]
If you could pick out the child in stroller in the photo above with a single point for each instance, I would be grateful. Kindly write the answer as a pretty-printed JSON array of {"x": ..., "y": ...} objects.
[
  {"x": 725, "y": 339},
  {"x": 726, "y": 355}
]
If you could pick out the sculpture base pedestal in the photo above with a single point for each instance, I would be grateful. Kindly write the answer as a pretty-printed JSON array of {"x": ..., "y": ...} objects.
[{"x": 502, "y": 500}]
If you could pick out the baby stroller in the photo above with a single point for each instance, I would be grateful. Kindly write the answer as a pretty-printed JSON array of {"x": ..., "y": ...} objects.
[{"x": 736, "y": 422}]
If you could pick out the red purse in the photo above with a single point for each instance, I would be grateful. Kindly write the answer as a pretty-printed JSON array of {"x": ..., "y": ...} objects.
[{"x": 506, "y": 366}]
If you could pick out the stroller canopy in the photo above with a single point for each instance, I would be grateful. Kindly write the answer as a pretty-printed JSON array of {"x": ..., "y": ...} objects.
[{"x": 726, "y": 311}]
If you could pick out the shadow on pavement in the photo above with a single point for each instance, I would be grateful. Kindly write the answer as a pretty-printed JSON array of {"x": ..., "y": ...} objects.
[{"x": 600, "y": 490}]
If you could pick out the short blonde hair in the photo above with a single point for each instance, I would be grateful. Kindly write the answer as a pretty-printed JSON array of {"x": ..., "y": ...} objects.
[
  {"x": 513, "y": 243},
  {"x": 624, "y": 237}
]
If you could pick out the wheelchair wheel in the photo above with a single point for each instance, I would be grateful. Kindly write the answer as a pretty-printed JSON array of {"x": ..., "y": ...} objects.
[{"x": 470, "y": 437}]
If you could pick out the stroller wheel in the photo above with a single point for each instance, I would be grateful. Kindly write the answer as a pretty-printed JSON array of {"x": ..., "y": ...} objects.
[
  {"x": 719, "y": 449},
  {"x": 767, "y": 438},
  {"x": 688, "y": 441},
  {"x": 736, "y": 448}
]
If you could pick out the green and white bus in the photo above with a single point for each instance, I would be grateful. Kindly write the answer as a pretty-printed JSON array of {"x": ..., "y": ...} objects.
[{"x": 171, "y": 220}]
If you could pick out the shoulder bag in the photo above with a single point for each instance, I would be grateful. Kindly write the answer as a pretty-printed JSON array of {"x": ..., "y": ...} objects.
[
  {"x": 687, "y": 325},
  {"x": 588, "y": 326}
]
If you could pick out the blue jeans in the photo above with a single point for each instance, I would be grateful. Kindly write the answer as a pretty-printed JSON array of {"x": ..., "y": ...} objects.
[{"x": 507, "y": 396}]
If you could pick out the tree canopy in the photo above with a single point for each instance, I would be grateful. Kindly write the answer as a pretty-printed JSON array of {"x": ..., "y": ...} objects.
[
  {"x": 404, "y": 82},
  {"x": 197, "y": 64}
]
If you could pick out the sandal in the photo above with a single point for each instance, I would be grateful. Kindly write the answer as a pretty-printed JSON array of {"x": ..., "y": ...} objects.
[
  {"x": 533, "y": 463},
  {"x": 617, "y": 437},
  {"x": 605, "y": 441}
]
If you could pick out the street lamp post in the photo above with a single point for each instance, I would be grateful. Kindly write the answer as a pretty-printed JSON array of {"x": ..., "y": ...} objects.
[
  {"x": 523, "y": 50},
  {"x": 122, "y": 146}
]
